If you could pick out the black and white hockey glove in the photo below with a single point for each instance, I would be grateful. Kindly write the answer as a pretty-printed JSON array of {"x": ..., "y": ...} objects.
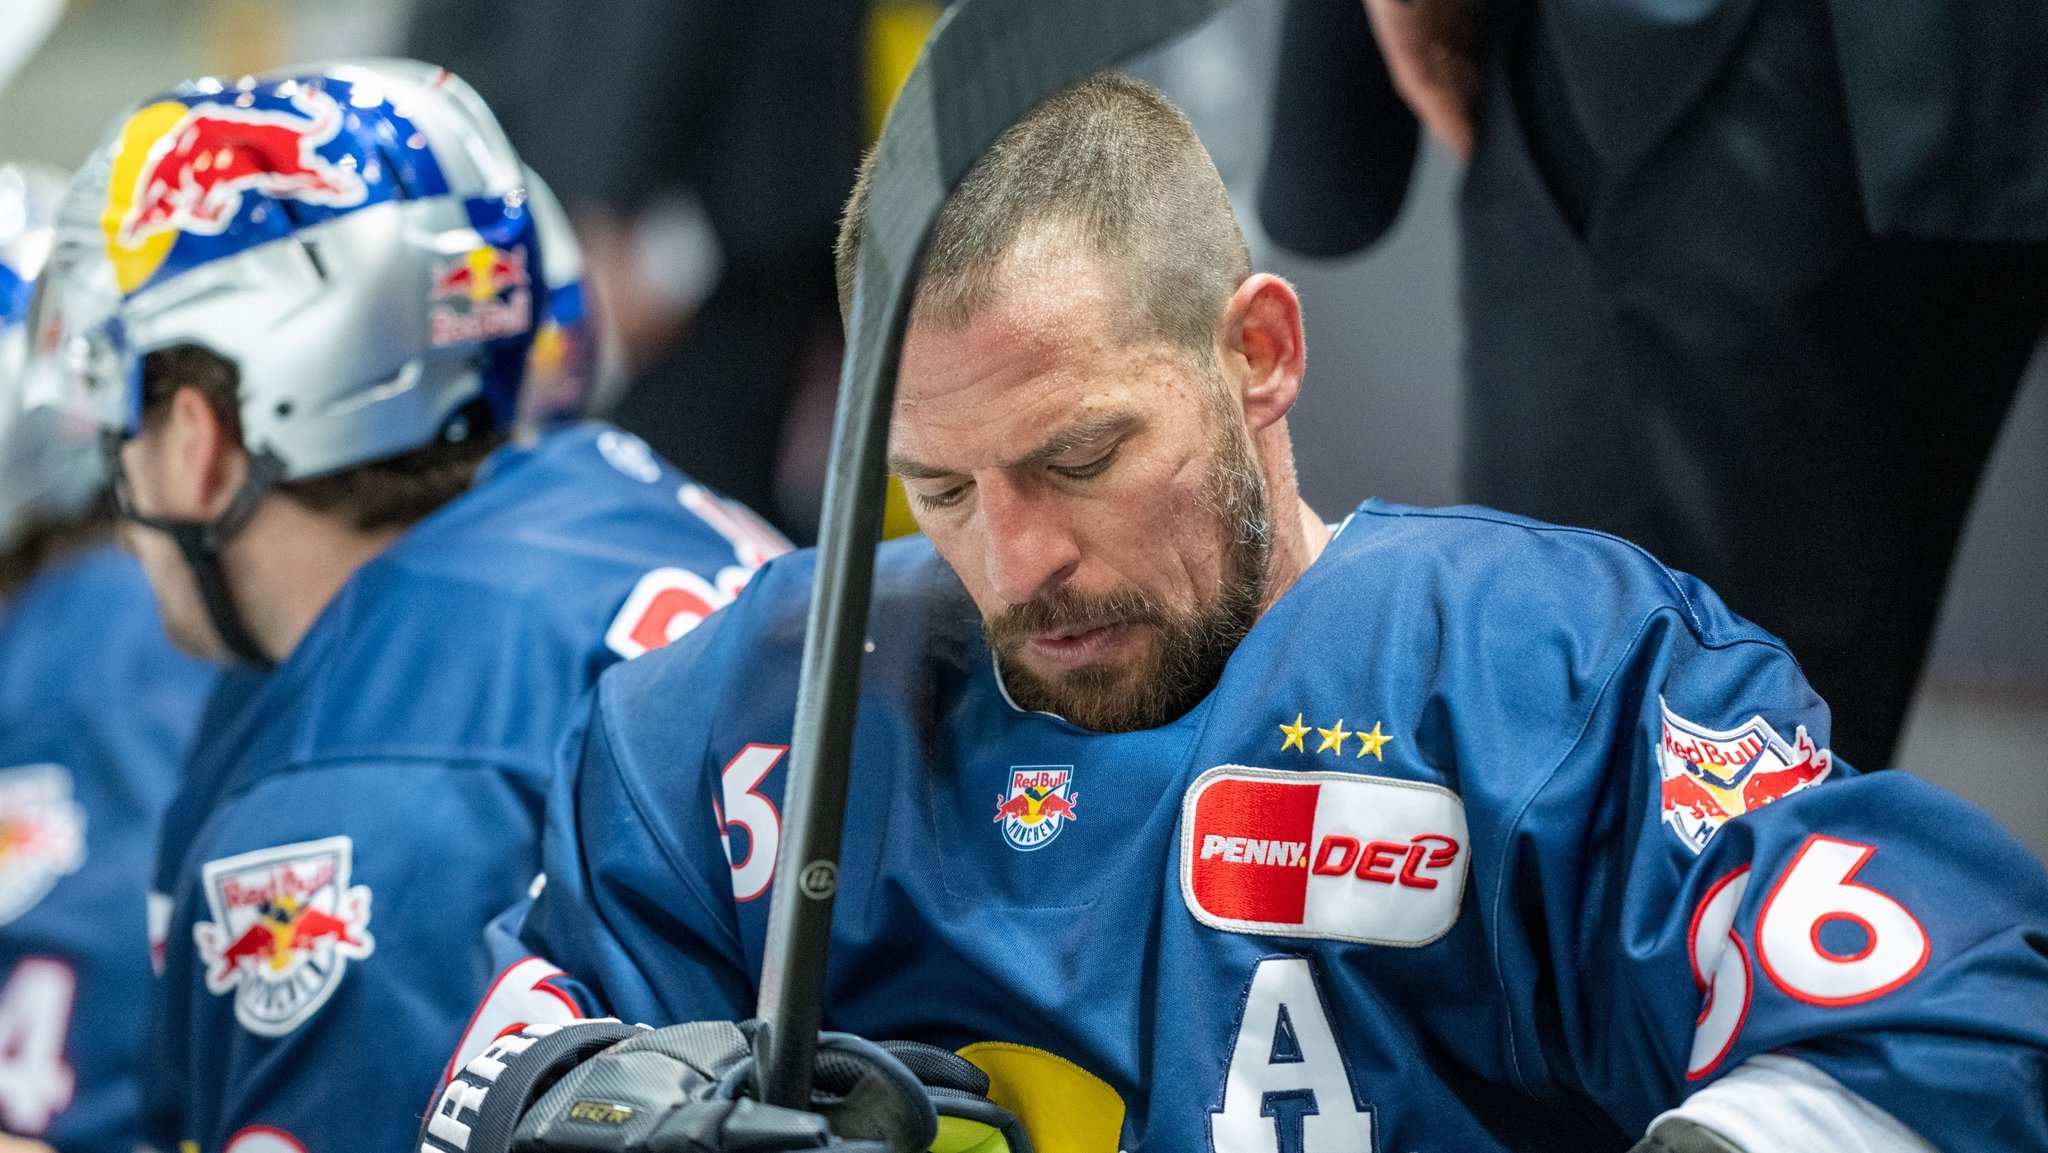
[{"x": 604, "y": 1087}]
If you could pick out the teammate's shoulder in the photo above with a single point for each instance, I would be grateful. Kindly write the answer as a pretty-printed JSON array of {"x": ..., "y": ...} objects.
[
  {"x": 86, "y": 626},
  {"x": 1473, "y": 555},
  {"x": 757, "y": 641}
]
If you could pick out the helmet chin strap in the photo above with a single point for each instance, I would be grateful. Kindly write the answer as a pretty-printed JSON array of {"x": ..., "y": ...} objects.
[{"x": 202, "y": 541}]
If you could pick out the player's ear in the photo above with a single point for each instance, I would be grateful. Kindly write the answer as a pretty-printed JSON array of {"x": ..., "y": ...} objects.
[
  {"x": 1262, "y": 348},
  {"x": 203, "y": 464}
]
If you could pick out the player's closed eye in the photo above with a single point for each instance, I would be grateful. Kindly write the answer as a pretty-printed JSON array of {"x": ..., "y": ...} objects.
[
  {"x": 1093, "y": 468},
  {"x": 946, "y": 499}
]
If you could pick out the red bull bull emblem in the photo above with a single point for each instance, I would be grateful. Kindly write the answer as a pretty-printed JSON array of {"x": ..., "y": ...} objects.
[
  {"x": 480, "y": 295},
  {"x": 1331, "y": 855},
  {"x": 42, "y": 835},
  {"x": 1710, "y": 777},
  {"x": 181, "y": 169},
  {"x": 285, "y": 924},
  {"x": 1038, "y": 805}
]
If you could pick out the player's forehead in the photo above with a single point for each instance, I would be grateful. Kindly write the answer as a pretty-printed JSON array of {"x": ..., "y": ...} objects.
[{"x": 1050, "y": 351}]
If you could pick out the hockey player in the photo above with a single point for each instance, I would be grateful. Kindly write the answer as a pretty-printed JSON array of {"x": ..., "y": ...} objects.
[
  {"x": 327, "y": 285},
  {"x": 1225, "y": 830},
  {"x": 96, "y": 709}
]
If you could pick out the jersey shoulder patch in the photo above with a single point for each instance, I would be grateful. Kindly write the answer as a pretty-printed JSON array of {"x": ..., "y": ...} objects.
[
  {"x": 1708, "y": 777},
  {"x": 42, "y": 835},
  {"x": 286, "y": 923}
]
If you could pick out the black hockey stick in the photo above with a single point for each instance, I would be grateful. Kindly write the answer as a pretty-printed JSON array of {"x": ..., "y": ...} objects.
[{"x": 986, "y": 65}]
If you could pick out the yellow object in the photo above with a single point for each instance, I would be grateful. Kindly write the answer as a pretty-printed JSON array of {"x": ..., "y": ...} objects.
[
  {"x": 136, "y": 260},
  {"x": 896, "y": 34},
  {"x": 959, "y": 1135},
  {"x": 1333, "y": 738},
  {"x": 1294, "y": 732},
  {"x": 896, "y": 518},
  {"x": 1064, "y": 1107},
  {"x": 1373, "y": 742}
]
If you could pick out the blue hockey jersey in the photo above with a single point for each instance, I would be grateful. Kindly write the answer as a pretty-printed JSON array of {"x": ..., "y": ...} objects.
[
  {"x": 354, "y": 818},
  {"x": 1493, "y": 836},
  {"x": 96, "y": 710}
]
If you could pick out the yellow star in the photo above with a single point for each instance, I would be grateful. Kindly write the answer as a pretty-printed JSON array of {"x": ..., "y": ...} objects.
[
  {"x": 1333, "y": 738},
  {"x": 1294, "y": 732},
  {"x": 1373, "y": 742}
]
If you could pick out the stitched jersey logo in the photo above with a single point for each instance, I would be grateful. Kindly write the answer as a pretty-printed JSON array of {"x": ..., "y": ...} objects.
[
  {"x": 42, "y": 835},
  {"x": 1711, "y": 776},
  {"x": 1039, "y": 803},
  {"x": 1338, "y": 856},
  {"x": 285, "y": 924}
]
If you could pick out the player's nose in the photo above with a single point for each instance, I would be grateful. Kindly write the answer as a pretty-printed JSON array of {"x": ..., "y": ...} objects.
[{"x": 1029, "y": 547}]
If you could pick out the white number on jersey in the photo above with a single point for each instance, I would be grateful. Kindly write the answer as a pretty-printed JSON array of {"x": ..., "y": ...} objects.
[
  {"x": 1720, "y": 965},
  {"x": 35, "y": 1019},
  {"x": 1884, "y": 948},
  {"x": 1819, "y": 888},
  {"x": 521, "y": 996},
  {"x": 755, "y": 814},
  {"x": 1287, "y": 1087}
]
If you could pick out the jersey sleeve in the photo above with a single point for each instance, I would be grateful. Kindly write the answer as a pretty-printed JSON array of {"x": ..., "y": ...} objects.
[
  {"x": 324, "y": 955},
  {"x": 1699, "y": 882},
  {"x": 642, "y": 904}
]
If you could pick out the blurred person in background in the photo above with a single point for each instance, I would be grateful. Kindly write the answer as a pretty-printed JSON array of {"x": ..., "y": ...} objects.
[
  {"x": 1749, "y": 284},
  {"x": 703, "y": 150},
  {"x": 96, "y": 710},
  {"x": 312, "y": 371}
]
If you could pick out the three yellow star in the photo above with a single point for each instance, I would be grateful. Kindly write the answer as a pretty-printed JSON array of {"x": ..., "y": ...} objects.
[
  {"x": 1373, "y": 742},
  {"x": 1294, "y": 732},
  {"x": 1333, "y": 738}
]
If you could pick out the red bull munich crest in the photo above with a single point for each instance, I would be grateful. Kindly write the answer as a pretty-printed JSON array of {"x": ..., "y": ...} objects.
[
  {"x": 286, "y": 923},
  {"x": 1711, "y": 776},
  {"x": 1039, "y": 803},
  {"x": 42, "y": 835}
]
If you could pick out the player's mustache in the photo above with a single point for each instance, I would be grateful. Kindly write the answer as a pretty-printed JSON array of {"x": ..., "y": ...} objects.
[{"x": 1063, "y": 608}]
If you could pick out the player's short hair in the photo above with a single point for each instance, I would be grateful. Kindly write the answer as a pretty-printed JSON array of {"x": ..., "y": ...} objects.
[
  {"x": 395, "y": 492},
  {"x": 1111, "y": 160}
]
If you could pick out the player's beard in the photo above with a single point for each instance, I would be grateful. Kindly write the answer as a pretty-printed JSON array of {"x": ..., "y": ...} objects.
[{"x": 1190, "y": 647}]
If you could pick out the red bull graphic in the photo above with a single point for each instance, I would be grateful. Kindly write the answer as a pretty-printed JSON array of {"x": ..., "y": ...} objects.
[
  {"x": 285, "y": 924},
  {"x": 42, "y": 835},
  {"x": 195, "y": 174},
  {"x": 482, "y": 295},
  {"x": 1710, "y": 776},
  {"x": 1332, "y": 855},
  {"x": 182, "y": 169},
  {"x": 1039, "y": 803}
]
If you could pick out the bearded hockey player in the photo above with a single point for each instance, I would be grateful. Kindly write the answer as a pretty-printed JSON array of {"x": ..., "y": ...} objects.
[
  {"x": 324, "y": 287},
  {"x": 1199, "y": 825},
  {"x": 96, "y": 710}
]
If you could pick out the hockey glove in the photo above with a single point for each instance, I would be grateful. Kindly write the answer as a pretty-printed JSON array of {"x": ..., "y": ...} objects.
[{"x": 603, "y": 1087}]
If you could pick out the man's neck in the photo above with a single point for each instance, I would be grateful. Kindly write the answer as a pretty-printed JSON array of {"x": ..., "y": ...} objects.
[
  {"x": 1299, "y": 535},
  {"x": 288, "y": 563}
]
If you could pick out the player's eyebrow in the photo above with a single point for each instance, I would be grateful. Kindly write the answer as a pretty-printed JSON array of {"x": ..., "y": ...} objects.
[{"x": 1089, "y": 430}]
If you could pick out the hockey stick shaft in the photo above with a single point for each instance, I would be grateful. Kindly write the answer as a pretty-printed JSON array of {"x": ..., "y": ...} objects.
[{"x": 987, "y": 64}]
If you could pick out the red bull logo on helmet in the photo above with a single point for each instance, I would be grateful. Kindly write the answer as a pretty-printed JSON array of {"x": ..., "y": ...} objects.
[
  {"x": 286, "y": 922},
  {"x": 481, "y": 295},
  {"x": 182, "y": 169},
  {"x": 1711, "y": 776},
  {"x": 1331, "y": 855},
  {"x": 1039, "y": 803}
]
